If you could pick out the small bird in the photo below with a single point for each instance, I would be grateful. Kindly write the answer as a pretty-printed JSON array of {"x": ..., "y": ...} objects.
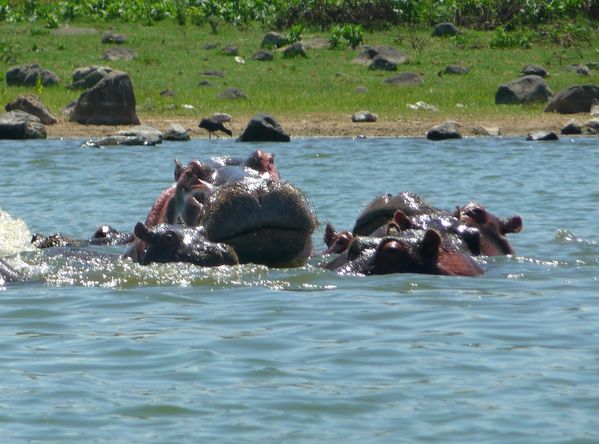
[{"x": 212, "y": 125}]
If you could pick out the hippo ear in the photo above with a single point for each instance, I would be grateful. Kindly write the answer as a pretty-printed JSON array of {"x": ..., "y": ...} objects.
[
  {"x": 511, "y": 225},
  {"x": 457, "y": 213},
  {"x": 178, "y": 169},
  {"x": 431, "y": 243},
  {"x": 141, "y": 231},
  {"x": 329, "y": 235},
  {"x": 402, "y": 221}
]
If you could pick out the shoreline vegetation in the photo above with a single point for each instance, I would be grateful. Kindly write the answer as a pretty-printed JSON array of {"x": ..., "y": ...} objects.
[{"x": 197, "y": 49}]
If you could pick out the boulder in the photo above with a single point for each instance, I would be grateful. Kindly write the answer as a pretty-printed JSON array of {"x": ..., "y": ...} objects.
[
  {"x": 274, "y": 40},
  {"x": 526, "y": 89},
  {"x": 383, "y": 64},
  {"x": 232, "y": 93},
  {"x": 420, "y": 105},
  {"x": 572, "y": 127},
  {"x": 176, "y": 132},
  {"x": 364, "y": 116},
  {"x": 591, "y": 126},
  {"x": 88, "y": 76},
  {"x": 486, "y": 131},
  {"x": 446, "y": 130},
  {"x": 583, "y": 70},
  {"x": 113, "y": 54},
  {"x": 116, "y": 140},
  {"x": 263, "y": 55},
  {"x": 263, "y": 128},
  {"x": 27, "y": 75},
  {"x": 213, "y": 73},
  {"x": 535, "y": 70},
  {"x": 21, "y": 125},
  {"x": 294, "y": 50},
  {"x": 110, "y": 102},
  {"x": 368, "y": 53},
  {"x": 30, "y": 103},
  {"x": 445, "y": 29},
  {"x": 456, "y": 69},
  {"x": 542, "y": 136},
  {"x": 113, "y": 37},
  {"x": 149, "y": 134},
  {"x": 230, "y": 50},
  {"x": 405, "y": 78},
  {"x": 575, "y": 99}
]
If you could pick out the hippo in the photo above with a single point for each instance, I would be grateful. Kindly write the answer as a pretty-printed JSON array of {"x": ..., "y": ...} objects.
[
  {"x": 266, "y": 222},
  {"x": 104, "y": 235},
  {"x": 408, "y": 251},
  {"x": 463, "y": 222},
  {"x": 185, "y": 200},
  {"x": 176, "y": 243},
  {"x": 492, "y": 228}
]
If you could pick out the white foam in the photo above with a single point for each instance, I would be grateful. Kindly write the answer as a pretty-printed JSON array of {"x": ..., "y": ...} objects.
[{"x": 14, "y": 235}]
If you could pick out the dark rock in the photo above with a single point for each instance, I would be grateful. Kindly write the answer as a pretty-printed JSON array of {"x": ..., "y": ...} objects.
[
  {"x": 67, "y": 111},
  {"x": 113, "y": 54},
  {"x": 205, "y": 82},
  {"x": 263, "y": 128},
  {"x": 210, "y": 46},
  {"x": 446, "y": 130},
  {"x": 368, "y": 53},
  {"x": 294, "y": 50},
  {"x": 232, "y": 93},
  {"x": 212, "y": 73},
  {"x": 274, "y": 40},
  {"x": 364, "y": 116},
  {"x": 263, "y": 55},
  {"x": 230, "y": 50},
  {"x": 113, "y": 37},
  {"x": 591, "y": 126},
  {"x": 445, "y": 29},
  {"x": 21, "y": 125},
  {"x": 405, "y": 78},
  {"x": 456, "y": 69},
  {"x": 383, "y": 64},
  {"x": 527, "y": 89},
  {"x": 575, "y": 99},
  {"x": 572, "y": 127},
  {"x": 583, "y": 70},
  {"x": 30, "y": 103},
  {"x": 535, "y": 70},
  {"x": 542, "y": 136},
  {"x": 27, "y": 75},
  {"x": 88, "y": 76},
  {"x": 177, "y": 133},
  {"x": 167, "y": 93},
  {"x": 110, "y": 102}
]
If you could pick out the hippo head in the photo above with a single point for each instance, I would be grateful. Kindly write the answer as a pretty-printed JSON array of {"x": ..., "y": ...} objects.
[
  {"x": 336, "y": 242},
  {"x": 176, "y": 243},
  {"x": 264, "y": 164},
  {"x": 382, "y": 209},
  {"x": 411, "y": 251},
  {"x": 492, "y": 229},
  {"x": 107, "y": 235},
  {"x": 266, "y": 222}
]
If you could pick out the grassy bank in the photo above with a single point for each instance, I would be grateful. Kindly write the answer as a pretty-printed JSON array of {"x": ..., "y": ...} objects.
[{"x": 173, "y": 56}]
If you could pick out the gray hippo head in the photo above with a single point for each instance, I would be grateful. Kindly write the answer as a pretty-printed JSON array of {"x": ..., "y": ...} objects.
[
  {"x": 177, "y": 243},
  {"x": 266, "y": 222}
]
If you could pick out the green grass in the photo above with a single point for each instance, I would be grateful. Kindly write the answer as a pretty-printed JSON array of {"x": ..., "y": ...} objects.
[{"x": 172, "y": 56}]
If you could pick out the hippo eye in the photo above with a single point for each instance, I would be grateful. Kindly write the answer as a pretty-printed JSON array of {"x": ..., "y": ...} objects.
[{"x": 170, "y": 239}]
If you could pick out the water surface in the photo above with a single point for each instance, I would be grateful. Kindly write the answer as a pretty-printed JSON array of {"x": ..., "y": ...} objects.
[{"x": 116, "y": 352}]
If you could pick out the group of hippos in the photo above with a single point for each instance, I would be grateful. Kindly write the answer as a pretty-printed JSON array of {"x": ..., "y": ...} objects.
[{"x": 228, "y": 211}]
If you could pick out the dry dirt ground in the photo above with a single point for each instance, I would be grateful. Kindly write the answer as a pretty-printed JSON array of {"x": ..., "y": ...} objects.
[{"x": 339, "y": 125}]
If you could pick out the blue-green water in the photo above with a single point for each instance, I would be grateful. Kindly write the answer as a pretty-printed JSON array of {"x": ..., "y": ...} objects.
[{"x": 114, "y": 352}]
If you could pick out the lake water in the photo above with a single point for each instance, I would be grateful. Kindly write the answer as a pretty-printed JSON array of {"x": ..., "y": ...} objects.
[{"x": 109, "y": 352}]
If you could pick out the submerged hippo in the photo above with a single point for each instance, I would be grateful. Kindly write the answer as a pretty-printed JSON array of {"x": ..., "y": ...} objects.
[
  {"x": 266, "y": 222},
  {"x": 409, "y": 251},
  {"x": 177, "y": 243},
  {"x": 492, "y": 229},
  {"x": 408, "y": 210},
  {"x": 104, "y": 235}
]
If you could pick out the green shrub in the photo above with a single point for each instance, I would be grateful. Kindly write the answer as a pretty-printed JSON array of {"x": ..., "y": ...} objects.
[
  {"x": 511, "y": 39},
  {"x": 352, "y": 35}
]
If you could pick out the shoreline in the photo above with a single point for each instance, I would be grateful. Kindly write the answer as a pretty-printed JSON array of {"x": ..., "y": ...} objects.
[{"x": 340, "y": 125}]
